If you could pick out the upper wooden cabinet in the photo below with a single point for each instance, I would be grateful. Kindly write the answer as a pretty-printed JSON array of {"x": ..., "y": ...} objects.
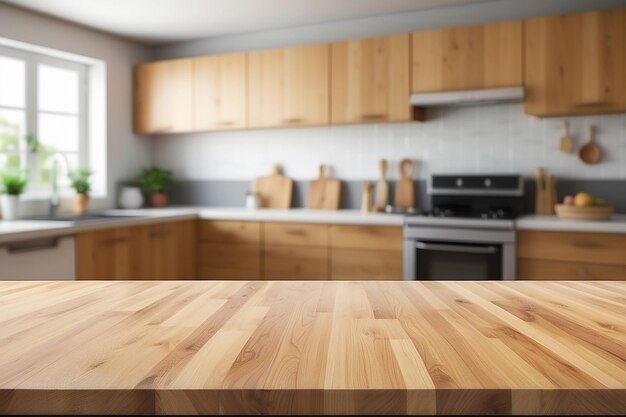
[
  {"x": 220, "y": 88},
  {"x": 164, "y": 97},
  {"x": 288, "y": 86},
  {"x": 465, "y": 58},
  {"x": 370, "y": 80},
  {"x": 576, "y": 63}
]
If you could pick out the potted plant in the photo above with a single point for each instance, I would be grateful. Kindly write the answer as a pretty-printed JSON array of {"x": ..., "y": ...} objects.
[
  {"x": 12, "y": 184},
  {"x": 79, "y": 179},
  {"x": 156, "y": 183}
]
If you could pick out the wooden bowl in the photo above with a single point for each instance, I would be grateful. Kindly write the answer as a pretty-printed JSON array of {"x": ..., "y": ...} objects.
[{"x": 595, "y": 213}]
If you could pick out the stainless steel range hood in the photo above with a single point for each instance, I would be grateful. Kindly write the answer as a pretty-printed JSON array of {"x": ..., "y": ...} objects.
[{"x": 468, "y": 97}]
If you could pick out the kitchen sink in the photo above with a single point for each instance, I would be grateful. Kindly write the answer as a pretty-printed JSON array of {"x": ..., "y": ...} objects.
[{"x": 90, "y": 217}]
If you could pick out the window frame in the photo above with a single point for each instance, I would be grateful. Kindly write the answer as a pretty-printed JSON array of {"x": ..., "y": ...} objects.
[{"x": 31, "y": 109}]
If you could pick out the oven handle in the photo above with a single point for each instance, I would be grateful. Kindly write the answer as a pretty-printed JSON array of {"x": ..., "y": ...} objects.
[{"x": 456, "y": 248}]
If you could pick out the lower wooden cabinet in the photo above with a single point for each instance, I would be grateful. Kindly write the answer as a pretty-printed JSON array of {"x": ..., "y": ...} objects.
[
  {"x": 229, "y": 250},
  {"x": 365, "y": 252},
  {"x": 551, "y": 255},
  {"x": 298, "y": 251},
  {"x": 159, "y": 251}
]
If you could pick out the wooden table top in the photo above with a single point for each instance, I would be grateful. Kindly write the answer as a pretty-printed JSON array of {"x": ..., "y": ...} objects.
[{"x": 228, "y": 347}]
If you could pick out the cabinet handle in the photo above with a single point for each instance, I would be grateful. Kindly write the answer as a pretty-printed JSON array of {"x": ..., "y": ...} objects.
[
  {"x": 114, "y": 241},
  {"x": 225, "y": 123},
  {"x": 292, "y": 120},
  {"x": 592, "y": 104},
  {"x": 373, "y": 116},
  {"x": 32, "y": 245}
]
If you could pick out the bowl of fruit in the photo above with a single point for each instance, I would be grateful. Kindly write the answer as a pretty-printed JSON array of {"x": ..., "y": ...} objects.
[{"x": 584, "y": 206}]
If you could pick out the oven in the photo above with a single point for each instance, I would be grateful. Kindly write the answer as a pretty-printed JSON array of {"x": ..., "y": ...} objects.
[
  {"x": 440, "y": 253},
  {"x": 469, "y": 232}
]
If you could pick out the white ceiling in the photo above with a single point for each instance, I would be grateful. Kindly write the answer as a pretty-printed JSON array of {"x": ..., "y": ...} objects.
[{"x": 166, "y": 21}]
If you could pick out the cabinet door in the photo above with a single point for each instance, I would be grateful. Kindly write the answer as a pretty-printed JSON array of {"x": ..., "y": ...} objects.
[
  {"x": 370, "y": 80},
  {"x": 463, "y": 58},
  {"x": 105, "y": 254},
  {"x": 575, "y": 64},
  {"x": 539, "y": 269},
  {"x": 288, "y": 86},
  {"x": 173, "y": 250},
  {"x": 163, "y": 97},
  {"x": 220, "y": 89}
]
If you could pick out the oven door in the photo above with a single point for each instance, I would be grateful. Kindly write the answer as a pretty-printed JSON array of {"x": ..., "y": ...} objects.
[{"x": 458, "y": 261}]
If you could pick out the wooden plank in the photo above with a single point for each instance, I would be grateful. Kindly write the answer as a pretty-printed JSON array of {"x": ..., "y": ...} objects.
[
  {"x": 366, "y": 237},
  {"x": 466, "y": 58},
  {"x": 295, "y": 262},
  {"x": 600, "y": 248},
  {"x": 218, "y": 231},
  {"x": 295, "y": 234},
  {"x": 328, "y": 348},
  {"x": 539, "y": 269},
  {"x": 360, "y": 264}
]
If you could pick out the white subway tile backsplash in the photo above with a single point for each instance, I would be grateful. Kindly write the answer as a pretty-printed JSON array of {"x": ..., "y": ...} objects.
[{"x": 495, "y": 138}]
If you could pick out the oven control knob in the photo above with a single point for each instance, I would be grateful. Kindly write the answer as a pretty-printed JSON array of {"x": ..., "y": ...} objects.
[
  {"x": 459, "y": 182},
  {"x": 487, "y": 182}
]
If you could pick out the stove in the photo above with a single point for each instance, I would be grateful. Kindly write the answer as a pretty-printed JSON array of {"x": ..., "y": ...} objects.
[{"x": 469, "y": 232}]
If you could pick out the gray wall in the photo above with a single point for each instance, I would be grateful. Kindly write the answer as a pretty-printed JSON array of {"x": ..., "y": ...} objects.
[
  {"x": 382, "y": 25},
  {"x": 126, "y": 151}
]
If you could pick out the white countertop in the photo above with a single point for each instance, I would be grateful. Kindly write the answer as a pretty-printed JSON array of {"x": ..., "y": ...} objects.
[
  {"x": 302, "y": 216},
  {"x": 34, "y": 229},
  {"x": 617, "y": 224},
  {"x": 11, "y": 231}
]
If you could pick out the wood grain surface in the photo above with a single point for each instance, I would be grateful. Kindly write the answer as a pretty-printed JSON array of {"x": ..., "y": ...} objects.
[{"x": 237, "y": 347}]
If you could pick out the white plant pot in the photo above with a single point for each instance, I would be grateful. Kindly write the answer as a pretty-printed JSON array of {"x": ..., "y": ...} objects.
[
  {"x": 131, "y": 198},
  {"x": 9, "y": 206}
]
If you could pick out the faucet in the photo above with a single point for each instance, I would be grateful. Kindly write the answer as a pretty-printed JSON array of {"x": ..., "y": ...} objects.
[{"x": 55, "y": 199}]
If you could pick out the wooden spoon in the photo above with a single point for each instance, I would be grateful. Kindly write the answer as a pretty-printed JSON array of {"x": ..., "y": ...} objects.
[
  {"x": 590, "y": 153},
  {"x": 566, "y": 141}
]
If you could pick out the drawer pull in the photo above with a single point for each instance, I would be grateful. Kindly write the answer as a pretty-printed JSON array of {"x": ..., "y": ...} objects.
[
  {"x": 292, "y": 120},
  {"x": 228, "y": 123},
  {"x": 32, "y": 245},
  {"x": 373, "y": 116}
]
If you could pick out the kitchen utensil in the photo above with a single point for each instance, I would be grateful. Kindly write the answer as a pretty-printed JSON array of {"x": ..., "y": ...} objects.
[
  {"x": 565, "y": 144},
  {"x": 366, "y": 198},
  {"x": 323, "y": 193},
  {"x": 405, "y": 190},
  {"x": 382, "y": 188},
  {"x": 590, "y": 153},
  {"x": 596, "y": 213},
  {"x": 540, "y": 192},
  {"x": 274, "y": 190},
  {"x": 550, "y": 195}
]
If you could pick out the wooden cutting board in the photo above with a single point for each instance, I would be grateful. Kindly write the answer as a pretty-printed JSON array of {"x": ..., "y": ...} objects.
[
  {"x": 382, "y": 188},
  {"x": 405, "y": 190},
  {"x": 274, "y": 190},
  {"x": 324, "y": 193}
]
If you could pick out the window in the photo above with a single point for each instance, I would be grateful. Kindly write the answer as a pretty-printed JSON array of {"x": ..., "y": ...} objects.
[{"x": 43, "y": 112}]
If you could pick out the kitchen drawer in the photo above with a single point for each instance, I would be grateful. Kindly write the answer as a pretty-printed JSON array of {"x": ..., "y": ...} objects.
[
  {"x": 230, "y": 256},
  {"x": 361, "y": 264},
  {"x": 600, "y": 248},
  {"x": 280, "y": 262},
  {"x": 296, "y": 234},
  {"x": 537, "y": 269},
  {"x": 366, "y": 237},
  {"x": 230, "y": 232}
]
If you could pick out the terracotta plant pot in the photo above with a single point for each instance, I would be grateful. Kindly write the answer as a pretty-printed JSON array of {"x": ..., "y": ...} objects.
[
  {"x": 158, "y": 200},
  {"x": 81, "y": 202}
]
